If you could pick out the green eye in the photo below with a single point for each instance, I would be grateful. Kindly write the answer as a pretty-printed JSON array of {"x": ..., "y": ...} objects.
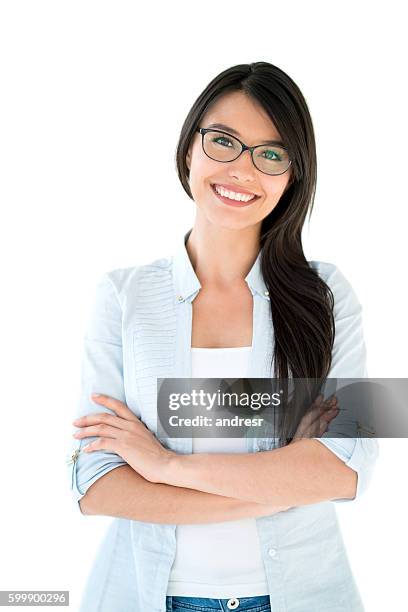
[
  {"x": 272, "y": 155},
  {"x": 217, "y": 140}
]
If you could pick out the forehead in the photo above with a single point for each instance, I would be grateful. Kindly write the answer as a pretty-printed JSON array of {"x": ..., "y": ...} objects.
[{"x": 243, "y": 114}]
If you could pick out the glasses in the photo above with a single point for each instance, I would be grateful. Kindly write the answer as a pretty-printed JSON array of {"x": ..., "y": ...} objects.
[{"x": 221, "y": 146}]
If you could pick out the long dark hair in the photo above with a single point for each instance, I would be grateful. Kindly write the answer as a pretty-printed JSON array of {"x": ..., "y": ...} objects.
[{"x": 301, "y": 302}]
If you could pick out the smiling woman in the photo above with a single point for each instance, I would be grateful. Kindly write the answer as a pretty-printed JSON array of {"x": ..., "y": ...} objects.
[{"x": 237, "y": 299}]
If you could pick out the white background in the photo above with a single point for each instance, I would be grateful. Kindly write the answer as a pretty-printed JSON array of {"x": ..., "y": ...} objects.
[{"x": 87, "y": 88}]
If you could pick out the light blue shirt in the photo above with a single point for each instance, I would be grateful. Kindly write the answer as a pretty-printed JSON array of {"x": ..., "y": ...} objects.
[{"x": 140, "y": 329}]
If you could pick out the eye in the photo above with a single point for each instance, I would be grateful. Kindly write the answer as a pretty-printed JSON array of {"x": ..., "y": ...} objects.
[
  {"x": 271, "y": 155},
  {"x": 224, "y": 141}
]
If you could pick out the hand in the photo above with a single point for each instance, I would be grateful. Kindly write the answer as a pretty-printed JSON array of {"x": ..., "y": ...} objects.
[
  {"x": 125, "y": 435},
  {"x": 317, "y": 419}
]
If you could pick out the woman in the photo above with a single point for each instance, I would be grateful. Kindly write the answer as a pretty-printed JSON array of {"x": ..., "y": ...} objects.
[{"x": 253, "y": 526}]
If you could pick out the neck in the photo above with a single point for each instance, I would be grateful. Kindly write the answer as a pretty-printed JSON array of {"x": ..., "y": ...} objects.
[{"x": 222, "y": 257}]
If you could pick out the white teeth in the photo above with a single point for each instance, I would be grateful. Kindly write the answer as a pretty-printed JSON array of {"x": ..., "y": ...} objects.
[{"x": 233, "y": 195}]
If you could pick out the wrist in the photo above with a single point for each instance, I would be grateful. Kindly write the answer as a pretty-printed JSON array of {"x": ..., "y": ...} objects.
[{"x": 170, "y": 468}]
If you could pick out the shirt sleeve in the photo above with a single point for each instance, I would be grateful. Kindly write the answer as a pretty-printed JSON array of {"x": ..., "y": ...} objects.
[
  {"x": 349, "y": 361},
  {"x": 101, "y": 372}
]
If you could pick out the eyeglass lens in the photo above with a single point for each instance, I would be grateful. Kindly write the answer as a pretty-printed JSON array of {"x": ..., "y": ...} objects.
[{"x": 267, "y": 158}]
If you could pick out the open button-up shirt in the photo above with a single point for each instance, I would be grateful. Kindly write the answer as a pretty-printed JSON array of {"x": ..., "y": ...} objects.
[{"x": 140, "y": 329}]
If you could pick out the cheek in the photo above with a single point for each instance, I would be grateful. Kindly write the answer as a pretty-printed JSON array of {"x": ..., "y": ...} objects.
[
  {"x": 274, "y": 188},
  {"x": 201, "y": 172}
]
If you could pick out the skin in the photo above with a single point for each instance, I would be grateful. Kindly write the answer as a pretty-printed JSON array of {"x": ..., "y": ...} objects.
[
  {"x": 150, "y": 464},
  {"x": 218, "y": 228},
  {"x": 222, "y": 310},
  {"x": 268, "y": 481}
]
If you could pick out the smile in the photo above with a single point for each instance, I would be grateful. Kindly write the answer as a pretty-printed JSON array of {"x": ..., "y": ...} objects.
[{"x": 233, "y": 198}]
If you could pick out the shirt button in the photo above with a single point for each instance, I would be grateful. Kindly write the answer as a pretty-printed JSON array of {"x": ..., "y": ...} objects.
[
  {"x": 272, "y": 552},
  {"x": 180, "y": 298},
  {"x": 266, "y": 292},
  {"x": 232, "y": 604}
]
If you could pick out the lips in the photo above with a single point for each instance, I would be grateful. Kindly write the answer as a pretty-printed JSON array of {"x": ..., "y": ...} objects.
[
  {"x": 234, "y": 203},
  {"x": 234, "y": 188}
]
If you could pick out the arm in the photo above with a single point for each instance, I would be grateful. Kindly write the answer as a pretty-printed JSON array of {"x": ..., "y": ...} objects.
[
  {"x": 97, "y": 483},
  {"x": 126, "y": 494},
  {"x": 312, "y": 470},
  {"x": 101, "y": 372},
  {"x": 349, "y": 360},
  {"x": 288, "y": 476}
]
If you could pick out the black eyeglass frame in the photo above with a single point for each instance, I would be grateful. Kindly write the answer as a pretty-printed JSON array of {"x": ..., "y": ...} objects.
[{"x": 244, "y": 147}]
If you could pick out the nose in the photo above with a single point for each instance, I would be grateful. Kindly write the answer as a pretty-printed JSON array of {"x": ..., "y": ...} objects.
[{"x": 242, "y": 168}]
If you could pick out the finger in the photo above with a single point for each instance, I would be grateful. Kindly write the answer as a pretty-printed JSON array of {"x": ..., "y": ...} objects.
[
  {"x": 103, "y": 417},
  {"x": 304, "y": 425},
  {"x": 323, "y": 428},
  {"x": 98, "y": 430},
  {"x": 329, "y": 404},
  {"x": 330, "y": 414},
  {"x": 309, "y": 432},
  {"x": 314, "y": 414},
  {"x": 318, "y": 400},
  {"x": 114, "y": 404},
  {"x": 319, "y": 406},
  {"x": 107, "y": 444},
  {"x": 331, "y": 401},
  {"x": 311, "y": 423}
]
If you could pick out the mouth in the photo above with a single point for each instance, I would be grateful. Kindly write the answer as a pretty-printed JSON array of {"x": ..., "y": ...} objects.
[{"x": 229, "y": 197}]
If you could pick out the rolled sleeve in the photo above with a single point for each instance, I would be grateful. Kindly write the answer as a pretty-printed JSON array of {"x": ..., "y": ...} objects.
[
  {"x": 101, "y": 372},
  {"x": 358, "y": 453},
  {"x": 348, "y": 362}
]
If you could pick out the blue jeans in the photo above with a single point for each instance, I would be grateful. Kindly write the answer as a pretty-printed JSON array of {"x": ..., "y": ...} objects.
[{"x": 203, "y": 604}]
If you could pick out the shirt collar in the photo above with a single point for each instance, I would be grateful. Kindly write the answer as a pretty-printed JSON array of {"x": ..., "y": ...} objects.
[{"x": 186, "y": 282}]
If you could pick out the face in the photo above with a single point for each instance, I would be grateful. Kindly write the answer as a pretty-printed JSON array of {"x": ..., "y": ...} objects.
[{"x": 250, "y": 120}]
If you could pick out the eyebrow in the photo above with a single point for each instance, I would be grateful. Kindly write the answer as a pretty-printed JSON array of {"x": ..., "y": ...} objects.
[{"x": 226, "y": 128}]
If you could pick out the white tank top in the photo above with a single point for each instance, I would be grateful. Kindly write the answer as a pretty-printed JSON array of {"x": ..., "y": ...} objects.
[{"x": 218, "y": 560}]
